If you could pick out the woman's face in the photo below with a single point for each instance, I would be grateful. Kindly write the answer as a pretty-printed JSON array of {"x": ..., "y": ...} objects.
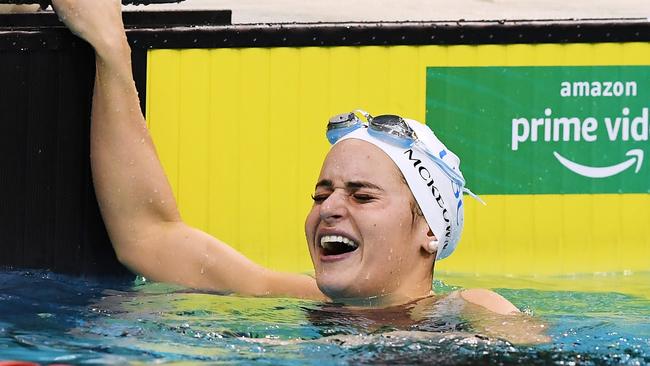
[{"x": 364, "y": 239}]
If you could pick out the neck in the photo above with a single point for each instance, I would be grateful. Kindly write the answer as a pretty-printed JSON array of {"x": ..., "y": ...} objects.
[{"x": 398, "y": 297}]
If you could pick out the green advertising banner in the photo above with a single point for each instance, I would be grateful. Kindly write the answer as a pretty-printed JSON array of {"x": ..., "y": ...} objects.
[{"x": 544, "y": 130}]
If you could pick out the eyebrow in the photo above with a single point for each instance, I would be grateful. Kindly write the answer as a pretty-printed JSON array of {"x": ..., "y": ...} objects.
[{"x": 352, "y": 185}]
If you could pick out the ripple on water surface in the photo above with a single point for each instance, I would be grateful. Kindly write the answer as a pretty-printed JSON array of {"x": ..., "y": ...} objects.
[{"x": 47, "y": 318}]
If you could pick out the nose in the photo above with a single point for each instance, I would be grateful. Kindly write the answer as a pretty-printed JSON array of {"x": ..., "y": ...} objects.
[{"x": 334, "y": 207}]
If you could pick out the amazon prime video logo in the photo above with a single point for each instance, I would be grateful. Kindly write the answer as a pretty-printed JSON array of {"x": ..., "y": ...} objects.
[{"x": 625, "y": 127}]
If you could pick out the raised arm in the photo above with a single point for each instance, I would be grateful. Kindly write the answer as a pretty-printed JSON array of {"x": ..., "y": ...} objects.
[{"x": 134, "y": 196}]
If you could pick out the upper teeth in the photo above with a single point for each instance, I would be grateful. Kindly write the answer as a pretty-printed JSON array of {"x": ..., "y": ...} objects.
[{"x": 336, "y": 239}]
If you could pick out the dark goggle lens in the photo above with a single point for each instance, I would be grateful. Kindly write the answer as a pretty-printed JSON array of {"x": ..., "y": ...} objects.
[
  {"x": 388, "y": 120},
  {"x": 393, "y": 125}
]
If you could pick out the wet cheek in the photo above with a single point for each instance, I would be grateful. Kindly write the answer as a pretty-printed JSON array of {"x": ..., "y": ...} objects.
[
  {"x": 378, "y": 243},
  {"x": 387, "y": 241}
]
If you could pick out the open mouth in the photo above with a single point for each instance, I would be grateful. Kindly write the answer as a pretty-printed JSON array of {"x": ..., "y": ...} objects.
[{"x": 337, "y": 245}]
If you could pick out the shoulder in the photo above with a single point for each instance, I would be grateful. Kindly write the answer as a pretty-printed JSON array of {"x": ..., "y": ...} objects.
[{"x": 489, "y": 300}]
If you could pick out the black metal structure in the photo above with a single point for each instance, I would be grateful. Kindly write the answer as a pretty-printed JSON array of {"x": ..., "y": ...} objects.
[
  {"x": 400, "y": 33},
  {"x": 48, "y": 213}
]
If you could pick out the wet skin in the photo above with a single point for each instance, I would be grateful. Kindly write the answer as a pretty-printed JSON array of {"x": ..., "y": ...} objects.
[{"x": 360, "y": 195}]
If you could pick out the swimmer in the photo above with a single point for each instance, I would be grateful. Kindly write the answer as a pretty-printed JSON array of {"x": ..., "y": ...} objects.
[{"x": 373, "y": 200}]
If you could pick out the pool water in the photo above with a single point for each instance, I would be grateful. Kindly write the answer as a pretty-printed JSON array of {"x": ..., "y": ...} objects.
[{"x": 51, "y": 318}]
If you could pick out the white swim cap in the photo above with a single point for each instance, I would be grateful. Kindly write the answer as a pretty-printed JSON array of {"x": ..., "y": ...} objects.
[{"x": 439, "y": 197}]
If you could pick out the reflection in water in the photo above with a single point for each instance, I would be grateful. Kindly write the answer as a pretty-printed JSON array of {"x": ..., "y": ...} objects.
[{"x": 435, "y": 314}]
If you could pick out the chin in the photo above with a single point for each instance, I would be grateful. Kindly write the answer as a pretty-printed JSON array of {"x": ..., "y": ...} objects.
[
  {"x": 337, "y": 288},
  {"x": 341, "y": 289}
]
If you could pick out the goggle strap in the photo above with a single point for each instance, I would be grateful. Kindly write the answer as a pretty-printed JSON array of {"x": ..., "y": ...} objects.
[
  {"x": 473, "y": 195},
  {"x": 452, "y": 174},
  {"x": 365, "y": 114}
]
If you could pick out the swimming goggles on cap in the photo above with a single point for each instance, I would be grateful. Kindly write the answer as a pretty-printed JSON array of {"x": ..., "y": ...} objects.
[{"x": 390, "y": 129}]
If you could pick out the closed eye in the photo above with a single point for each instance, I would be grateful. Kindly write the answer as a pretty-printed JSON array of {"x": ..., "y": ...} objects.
[
  {"x": 363, "y": 198},
  {"x": 319, "y": 198}
]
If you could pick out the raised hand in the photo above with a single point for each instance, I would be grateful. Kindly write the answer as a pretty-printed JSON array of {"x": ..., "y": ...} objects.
[{"x": 99, "y": 22}]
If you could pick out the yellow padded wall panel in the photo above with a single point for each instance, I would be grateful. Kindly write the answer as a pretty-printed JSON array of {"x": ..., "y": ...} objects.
[
  {"x": 194, "y": 100},
  {"x": 553, "y": 234},
  {"x": 163, "y": 91},
  {"x": 240, "y": 133},
  {"x": 253, "y": 146},
  {"x": 224, "y": 83},
  {"x": 283, "y": 183}
]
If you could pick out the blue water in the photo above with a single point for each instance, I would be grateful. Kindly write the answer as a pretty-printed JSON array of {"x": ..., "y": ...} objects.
[{"x": 49, "y": 318}]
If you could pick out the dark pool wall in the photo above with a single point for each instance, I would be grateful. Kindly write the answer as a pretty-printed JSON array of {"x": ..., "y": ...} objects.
[
  {"x": 47, "y": 209},
  {"x": 48, "y": 214}
]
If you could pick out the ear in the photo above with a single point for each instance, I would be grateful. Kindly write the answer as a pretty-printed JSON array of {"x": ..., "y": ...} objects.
[{"x": 430, "y": 243}]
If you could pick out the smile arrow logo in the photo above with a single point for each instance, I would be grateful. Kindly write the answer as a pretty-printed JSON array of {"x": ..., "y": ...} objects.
[{"x": 636, "y": 156}]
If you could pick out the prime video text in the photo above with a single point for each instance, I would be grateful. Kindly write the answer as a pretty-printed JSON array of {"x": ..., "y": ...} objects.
[{"x": 629, "y": 125}]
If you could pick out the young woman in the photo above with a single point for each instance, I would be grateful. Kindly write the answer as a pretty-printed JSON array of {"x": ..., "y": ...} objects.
[{"x": 382, "y": 213}]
